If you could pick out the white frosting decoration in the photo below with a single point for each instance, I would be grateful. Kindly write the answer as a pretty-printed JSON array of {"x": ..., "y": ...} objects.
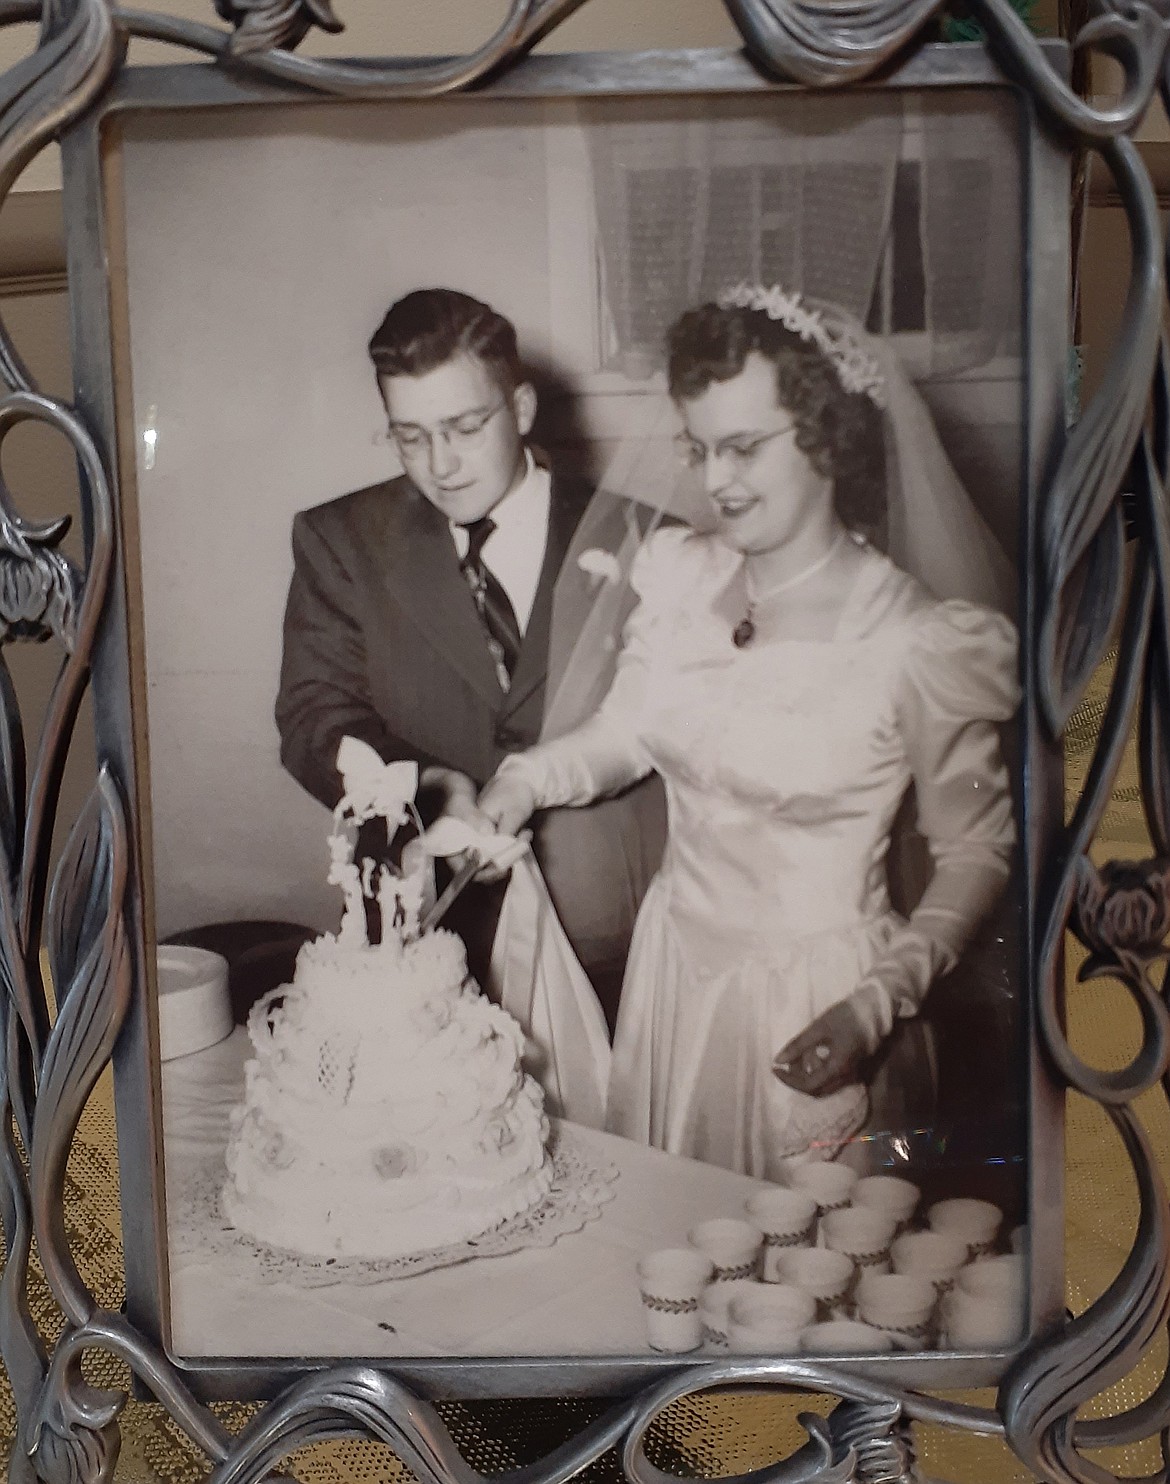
[{"x": 385, "y": 1109}]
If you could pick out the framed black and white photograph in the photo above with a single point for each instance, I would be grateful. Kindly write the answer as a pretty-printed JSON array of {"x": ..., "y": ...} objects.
[
  {"x": 573, "y": 552},
  {"x": 572, "y": 806}
]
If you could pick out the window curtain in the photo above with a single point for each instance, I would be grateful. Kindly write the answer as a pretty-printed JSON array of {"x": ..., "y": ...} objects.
[
  {"x": 686, "y": 206},
  {"x": 971, "y": 197}
]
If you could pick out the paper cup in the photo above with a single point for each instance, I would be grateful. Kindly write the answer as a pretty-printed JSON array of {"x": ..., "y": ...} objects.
[
  {"x": 993, "y": 1277},
  {"x": 733, "y": 1246},
  {"x": 823, "y": 1274},
  {"x": 889, "y": 1194},
  {"x": 845, "y": 1337},
  {"x": 977, "y": 1222},
  {"x": 862, "y": 1234},
  {"x": 935, "y": 1256},
  {"x": 787, "y": 1218},
  {"x": 830, "y": 1185},
  {"x": 770, "y": 1321},
  {"x": 987, "y": 1306},
  {"x": 194, "y": 1007},
  {"x": 714, "y": 1306},
  {"x": 901, "y": 1306},
  {"x": 672, "y": 1282}
]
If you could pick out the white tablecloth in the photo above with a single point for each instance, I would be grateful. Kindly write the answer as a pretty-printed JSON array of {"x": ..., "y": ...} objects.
[{"x": 579, "y": 1296}]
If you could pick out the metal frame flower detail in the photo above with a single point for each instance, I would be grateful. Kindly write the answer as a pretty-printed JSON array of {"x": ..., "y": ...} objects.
[{"x": 68, "y": 1431}]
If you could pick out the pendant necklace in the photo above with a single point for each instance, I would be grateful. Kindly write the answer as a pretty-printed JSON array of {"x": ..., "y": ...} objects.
[{"x": 745, "y": 630}]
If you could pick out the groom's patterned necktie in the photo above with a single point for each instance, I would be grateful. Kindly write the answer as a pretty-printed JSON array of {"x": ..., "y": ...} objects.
[{"x": 495, "y": 611}]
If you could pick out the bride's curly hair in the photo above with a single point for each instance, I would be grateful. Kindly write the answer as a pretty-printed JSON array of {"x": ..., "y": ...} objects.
[{"x": 839, "y": 431}]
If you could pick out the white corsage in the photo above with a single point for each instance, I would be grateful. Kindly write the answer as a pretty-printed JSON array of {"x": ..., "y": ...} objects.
[{"x": 596, "y": 562}]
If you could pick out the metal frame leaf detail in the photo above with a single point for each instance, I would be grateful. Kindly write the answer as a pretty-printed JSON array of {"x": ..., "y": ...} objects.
[{"x": 68, "y": 1430}]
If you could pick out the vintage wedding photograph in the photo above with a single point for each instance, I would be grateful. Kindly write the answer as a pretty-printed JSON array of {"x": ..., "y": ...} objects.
[{"x": 578, "y": 720}]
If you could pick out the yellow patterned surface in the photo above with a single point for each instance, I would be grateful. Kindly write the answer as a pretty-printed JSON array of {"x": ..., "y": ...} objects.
[{"x": 712, "y": 1436}]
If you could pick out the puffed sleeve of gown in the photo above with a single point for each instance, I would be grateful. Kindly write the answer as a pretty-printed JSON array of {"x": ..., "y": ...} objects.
[
  {"x": 605, "y": 754},
  {"x": 958, "y": 685}
]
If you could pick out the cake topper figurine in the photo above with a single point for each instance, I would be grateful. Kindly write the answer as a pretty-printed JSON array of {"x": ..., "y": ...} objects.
[{"x": 373, "y": 789}]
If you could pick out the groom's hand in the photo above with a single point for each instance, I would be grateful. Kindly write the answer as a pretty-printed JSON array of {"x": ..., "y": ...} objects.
[
  {"x": 825, "y": 1057},
  {"x": 454, "y": 791}
]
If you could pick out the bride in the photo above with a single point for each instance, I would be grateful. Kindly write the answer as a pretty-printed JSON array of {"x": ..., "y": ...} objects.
[{"x": 790, "y": 683}]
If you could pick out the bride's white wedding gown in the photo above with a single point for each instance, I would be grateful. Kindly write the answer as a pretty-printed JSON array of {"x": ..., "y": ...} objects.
[{"x": 785, "y": 763}]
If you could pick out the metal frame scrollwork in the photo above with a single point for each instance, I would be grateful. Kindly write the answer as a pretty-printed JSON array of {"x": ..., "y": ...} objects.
[{"x": 1087, "y": 586}]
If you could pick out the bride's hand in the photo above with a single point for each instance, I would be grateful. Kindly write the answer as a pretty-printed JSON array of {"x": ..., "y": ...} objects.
[
  {"x": 508, "y": 802},
  {"x": 827, "y": 1055}
]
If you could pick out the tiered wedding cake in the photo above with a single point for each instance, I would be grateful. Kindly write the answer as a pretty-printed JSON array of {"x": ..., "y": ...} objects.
[{"x": 385, "y": 1110}]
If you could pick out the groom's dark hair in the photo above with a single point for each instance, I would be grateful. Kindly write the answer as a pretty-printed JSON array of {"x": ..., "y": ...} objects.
[{"x": 429, "y": 327}]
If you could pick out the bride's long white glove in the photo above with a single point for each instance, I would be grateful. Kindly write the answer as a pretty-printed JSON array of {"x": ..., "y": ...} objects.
[
  {"x": 968, "y": 880},
  {"x": 508, "y": 801},
  {"x": 965, "y": 812},
  {"x": 829, "y": 1053}
]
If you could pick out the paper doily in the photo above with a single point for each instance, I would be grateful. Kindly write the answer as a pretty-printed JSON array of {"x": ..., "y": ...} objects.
[{"x": 581, "y": 1186}]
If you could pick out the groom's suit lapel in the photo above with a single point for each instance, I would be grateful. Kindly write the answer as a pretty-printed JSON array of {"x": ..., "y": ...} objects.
[
  {"x": 421, "y": 573},
  {"x": 569, "y": 498}
]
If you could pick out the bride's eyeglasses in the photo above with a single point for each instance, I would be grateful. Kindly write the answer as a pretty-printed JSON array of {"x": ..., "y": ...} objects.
[
  {"x": 741, "y": 450},
  {"x": 466, "y": 431}
]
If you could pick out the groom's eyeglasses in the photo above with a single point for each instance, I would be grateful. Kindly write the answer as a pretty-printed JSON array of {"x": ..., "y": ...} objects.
[
  {"x": 741, "y": 450},
  {"x": 463, "y": 432}
]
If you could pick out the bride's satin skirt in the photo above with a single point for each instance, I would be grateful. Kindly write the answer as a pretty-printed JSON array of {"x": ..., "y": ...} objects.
[{"x": 702, "y": 1017}]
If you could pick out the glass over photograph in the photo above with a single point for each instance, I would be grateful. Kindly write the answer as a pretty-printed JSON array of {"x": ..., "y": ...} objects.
[{"x": 577, "y": 547}]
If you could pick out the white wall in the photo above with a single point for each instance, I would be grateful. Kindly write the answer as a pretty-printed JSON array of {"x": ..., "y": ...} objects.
[{"x": 255, "y": 290}]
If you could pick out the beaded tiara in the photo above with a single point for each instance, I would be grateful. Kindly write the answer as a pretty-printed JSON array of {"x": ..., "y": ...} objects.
[{"x": 856, "y": 371}]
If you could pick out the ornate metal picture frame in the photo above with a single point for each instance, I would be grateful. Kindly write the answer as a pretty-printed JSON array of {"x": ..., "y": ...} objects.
[{"x": 1095, "y": 553}]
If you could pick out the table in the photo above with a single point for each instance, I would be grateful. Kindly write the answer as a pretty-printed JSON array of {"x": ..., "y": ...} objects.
[{"x": 579, "y": 1296}]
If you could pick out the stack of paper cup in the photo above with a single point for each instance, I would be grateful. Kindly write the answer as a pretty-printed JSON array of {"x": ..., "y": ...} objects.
[
  {"x": 986, "y": 1306},
  {"x": 194, "y": 1008},
  {"x": 714, "y": 1306},
  {"x": 900, "y": 1306},
  {"x": 889, "y": 1194},
  {"x": 977, "y": 1222},
  {"x": 769, "y": 1321},
  {"x": 935, "y": 1256},
  {"x": 830, "y": 1185},
  {"x": 823, "y": 1274},
  {"x": 845, "y": 1337},
  {"x": 733, "y": 1246},
  {"x": 862, "y": 1234},
  {"x": 787, "y": 1218},
  {"x": 672, "y": 1282}
]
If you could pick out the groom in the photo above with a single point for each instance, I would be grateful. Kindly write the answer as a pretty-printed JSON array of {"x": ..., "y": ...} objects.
[{"x": 421, "y": 613}]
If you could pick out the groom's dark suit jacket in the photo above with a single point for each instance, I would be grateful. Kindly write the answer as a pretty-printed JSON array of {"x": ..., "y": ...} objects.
[{"x": 382, "y": 641}]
